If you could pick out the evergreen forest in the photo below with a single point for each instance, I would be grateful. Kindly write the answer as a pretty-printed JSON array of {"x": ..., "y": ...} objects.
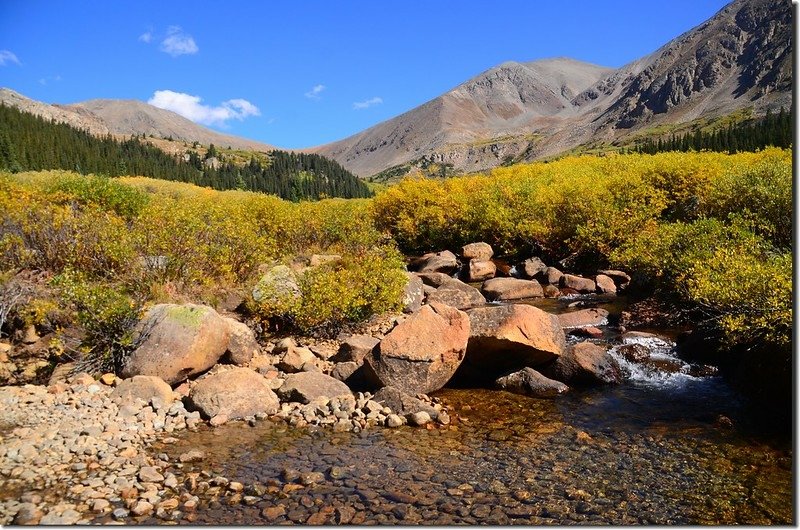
[{"x": 32, "y": 143}]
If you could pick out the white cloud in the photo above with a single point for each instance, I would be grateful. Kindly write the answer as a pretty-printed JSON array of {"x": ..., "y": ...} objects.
[
  {"x": 146, "y": 37},
  {"x": 7, "y": 57},
  {"x": 314, "y": 93},
  {"x": 178, "y": 43},
  {"x": 191, "y": 107},
  {"x": 367, "y": 103},
  {"x": 45, "y": 80}
]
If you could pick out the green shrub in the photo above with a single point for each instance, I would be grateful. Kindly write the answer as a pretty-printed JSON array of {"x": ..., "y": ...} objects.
[{"x": 107, "y": 313}]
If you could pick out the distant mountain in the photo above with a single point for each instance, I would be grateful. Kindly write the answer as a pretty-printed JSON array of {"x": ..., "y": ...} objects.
[
  {"x": 124, "y": 118},
  {"x": 741, "y": 58}
]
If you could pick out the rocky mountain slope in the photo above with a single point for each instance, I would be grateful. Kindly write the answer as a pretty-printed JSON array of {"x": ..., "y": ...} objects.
[
  {"x": 124, "y": 118},
  {"x": 740, "y": 58}
]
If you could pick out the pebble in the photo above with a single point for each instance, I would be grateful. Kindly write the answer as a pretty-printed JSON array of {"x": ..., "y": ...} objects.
[{"x": 142, "y": 508}]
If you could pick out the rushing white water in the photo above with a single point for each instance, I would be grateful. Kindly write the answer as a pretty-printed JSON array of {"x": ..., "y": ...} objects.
[{"x": 662, "y": 368}]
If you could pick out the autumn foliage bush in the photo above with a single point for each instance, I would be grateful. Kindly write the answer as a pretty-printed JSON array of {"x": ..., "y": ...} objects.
[{"x": 710, "y": 229}]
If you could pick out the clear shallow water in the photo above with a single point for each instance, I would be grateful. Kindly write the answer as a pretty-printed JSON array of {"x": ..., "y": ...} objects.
[
  {"x": 633, "y": 454},
  {"x": 661, "y": 448}
]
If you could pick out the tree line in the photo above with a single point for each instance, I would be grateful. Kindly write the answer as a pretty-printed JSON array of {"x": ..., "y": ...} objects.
[
  {"x": 32, "y": 143},
  {"x": 773, "y": 130}
]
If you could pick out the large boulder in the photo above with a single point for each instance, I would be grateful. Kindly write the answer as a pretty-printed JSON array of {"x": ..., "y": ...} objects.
[
  {"x": 354, "y": 348},
  {"x": 477, "y": 251},
  {"x": 278, "y": 284},
  {"x": 479, "y": 270},
  {"x": 510, "y": 337},
  {"x": 584, "y": 363},
  {"x": 422, "y": 353},
  {"x": 413, "y": 293},
  {"x": 242, "y": 344},
  {"x": 144, "y": 387},
  {"x": 579, "y": 283},
  {"x": 235, "y": 393},
  {"x": 305, "y": 387},
  {"x": 531, "y": 267},
  {"x": 458, "y": 294},
  {"x": 445, "y": 262},
  {"x": 177, "y": 342},
  {"x": 529, "y": 382},
  {"x": 401, "y": 403},
  {"x": 550, "y": 276},
  {"x": 594, "y": 316},
  {"x": 503, "y": 289}
]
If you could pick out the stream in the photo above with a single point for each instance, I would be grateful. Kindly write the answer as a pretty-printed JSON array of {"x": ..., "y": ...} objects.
[{"x": 660, "y": 448}]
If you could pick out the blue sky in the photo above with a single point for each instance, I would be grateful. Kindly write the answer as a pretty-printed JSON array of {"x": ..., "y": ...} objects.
[{"x": 302, "y": 73}]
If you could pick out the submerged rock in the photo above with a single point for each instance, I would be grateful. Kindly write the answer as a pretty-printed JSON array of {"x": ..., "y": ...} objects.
[{"x": 529, "y": 382}]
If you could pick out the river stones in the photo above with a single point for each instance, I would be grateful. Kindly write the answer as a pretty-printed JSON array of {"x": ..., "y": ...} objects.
[
  {"x": 305, "y": 387},
  {"x": 421, "y": 353},
  {"x": 529, "y": 382},
  {"x": 177, "y": 341},
  {"x": 621, "y": 279},
  {"x": 584, "y": 363},
  {"x": 144, "y": 387},
  {"x": 445, "y": 262},
  {"x": 579, "y": 283},
  {"x": 505, "y": 338},
  {"x": 503, "y": 289},
  {"x": 605, "y": 285},
  {"x": 413, "y": 293},
  {"x": 242, "y": 344},
  {"x": 480, "y": 270},
  {"x": 402, "y": 403},
  {"x": 295, "y": 358},
  {"x": 458, "y": 294},
  {"x": 550, "y": 276},
  {"x": 433, "y": 279},
  {"x": 477, "y": 251},
  {"x": 531, "y": 267},
  {"x": 354, "y": 348},
  {"x": 234, "y": 393},
  {"x": 594, "y": 316}
]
